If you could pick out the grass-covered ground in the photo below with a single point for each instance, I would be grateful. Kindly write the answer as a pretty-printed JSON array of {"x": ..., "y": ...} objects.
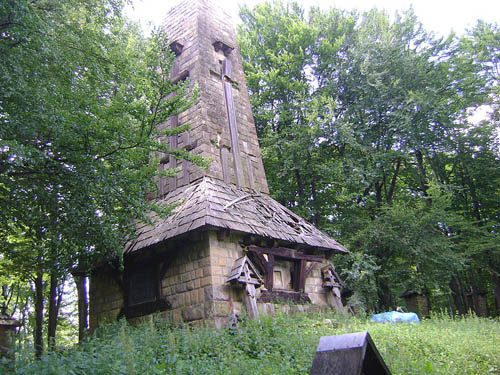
[{"x": 274, "y": 345}]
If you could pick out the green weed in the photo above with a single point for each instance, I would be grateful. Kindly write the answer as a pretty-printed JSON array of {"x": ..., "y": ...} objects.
[{"x": 272, "y": 345}]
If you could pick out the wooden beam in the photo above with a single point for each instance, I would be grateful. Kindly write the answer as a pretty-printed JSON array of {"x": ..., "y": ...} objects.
[
  {"x": 268, "y": 265},
  {"x": 233, "y": 127},
  {"x": 309, "y": 269},
  {"x": 270, "y": 272},
  {"x": 250, "y": 299},
  {"x": 296, "y": 276},
  {"x": 263, "y": 261},
  {"x": 302, "y": 275},
  {"x": 286, "y": 253}
]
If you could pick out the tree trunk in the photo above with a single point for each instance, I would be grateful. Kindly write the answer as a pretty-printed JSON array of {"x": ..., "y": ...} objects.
[
  {"x": 496, "y": 284},
  {"x": 83, "y": 306},
  {"x": 53, "y": 312},
  {"x": 38, "y": 333},
  {"x": 365, "y": 193},
  {"x": 378, "y": 193},
  {"x": 458, "y": 296},
  {"x": 385, "y": 296},
  {"x": 476, "y": 305},
  {"x": 5, "y": 302},
  {"x": 315, "y": 215},
  {"x": 424, "y": 184},
  {"x": 300, "y": 185},
  {"x": 393, "y": 181},
  {"x": 24, "y": 311}
]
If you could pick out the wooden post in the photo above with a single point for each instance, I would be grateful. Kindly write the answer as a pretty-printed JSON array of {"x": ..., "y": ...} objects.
[
  {"x": 83, "y": 305},
  {"x": 244, "y": 272},
  {"x": 331, "y": 280},
  {"x": 334, "y": 299},
  {"x": 251, "y": 301},
  {"x": 270, "y": 272}
]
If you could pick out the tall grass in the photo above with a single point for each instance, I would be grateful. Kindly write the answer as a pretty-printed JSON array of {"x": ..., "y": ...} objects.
[{"x": 273, "y": 345}]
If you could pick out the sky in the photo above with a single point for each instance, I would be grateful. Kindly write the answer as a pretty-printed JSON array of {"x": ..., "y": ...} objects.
[{"x": 440, "y": 16}]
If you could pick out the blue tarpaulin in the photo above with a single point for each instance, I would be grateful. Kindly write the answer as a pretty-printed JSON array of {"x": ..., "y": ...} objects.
[{"x": 395, "y": 317}]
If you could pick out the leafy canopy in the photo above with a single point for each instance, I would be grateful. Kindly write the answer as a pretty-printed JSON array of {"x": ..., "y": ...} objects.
[{"x": 82, "y": 93}]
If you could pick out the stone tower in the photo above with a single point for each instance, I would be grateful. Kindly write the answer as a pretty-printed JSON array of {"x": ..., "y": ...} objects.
[
  {"x": 221, "y": 122},
  {"x": 186, "y": 265}
]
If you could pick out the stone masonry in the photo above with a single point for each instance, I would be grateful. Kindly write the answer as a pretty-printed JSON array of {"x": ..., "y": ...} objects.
[
  {"x": 197, "y": 26},
  {"x": 195, "y": 287}
]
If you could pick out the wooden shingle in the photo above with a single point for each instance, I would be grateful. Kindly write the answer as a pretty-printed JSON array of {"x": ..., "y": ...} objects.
[{"x": 213, "y": 202}]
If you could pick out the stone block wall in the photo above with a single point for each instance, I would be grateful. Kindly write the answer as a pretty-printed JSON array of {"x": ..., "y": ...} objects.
[
  {"x": 8, "y": 327},
  {"x": 195, "y": 285},
  {"x": 106, "y": 298},
  {"x": 418, "y": 304},
  {"x": 228, "y": 299},
  {"x": 186, "y": 283},
  {"x": 314, "y": 288}
]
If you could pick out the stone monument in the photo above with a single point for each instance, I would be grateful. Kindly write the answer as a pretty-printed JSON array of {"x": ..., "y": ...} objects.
[{"x": 179, "y": 265}]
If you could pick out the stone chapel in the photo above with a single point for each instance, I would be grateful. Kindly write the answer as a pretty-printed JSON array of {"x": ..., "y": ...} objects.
[{"x": 228, "y": 248}]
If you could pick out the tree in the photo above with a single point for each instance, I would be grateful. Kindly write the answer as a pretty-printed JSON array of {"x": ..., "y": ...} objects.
[
  {"x": 81, "y": 95},
  {"x": 478, "y": 158},
  {"x": 359, "y": 118}
]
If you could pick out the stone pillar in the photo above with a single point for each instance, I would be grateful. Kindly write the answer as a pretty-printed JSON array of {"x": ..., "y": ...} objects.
[
  {"x": 476, "y": 300},
  {"x": 8, "y": 327},
  {"x": 221, "y": 125},
  {"x": 417, "y": 303}
]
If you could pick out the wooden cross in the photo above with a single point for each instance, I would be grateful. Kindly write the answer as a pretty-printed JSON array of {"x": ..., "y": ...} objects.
[
  {"x": 227, "y": 82},
  {"x": 332, "y": 281},
  {"x": 244, "y": 272},
  {"x": 233, "y": 127}
]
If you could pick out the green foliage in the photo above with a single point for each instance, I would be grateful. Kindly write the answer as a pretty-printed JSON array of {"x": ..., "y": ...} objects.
[
  {"x": 274, "y": 345},
  {"x": 80, "y": 101},
  {"x": 82, "y": 95},
  {"x": 363, "y": 121}
]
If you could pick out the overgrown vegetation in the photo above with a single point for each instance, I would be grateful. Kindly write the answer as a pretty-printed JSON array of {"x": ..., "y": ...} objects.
[{"x": 273, "y": 345}]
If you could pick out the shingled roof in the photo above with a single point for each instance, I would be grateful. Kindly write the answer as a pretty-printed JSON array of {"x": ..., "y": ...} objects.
[{"x": 212, "y": 202}]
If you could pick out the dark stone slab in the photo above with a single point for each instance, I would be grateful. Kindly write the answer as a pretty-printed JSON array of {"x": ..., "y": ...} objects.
[{"x": 350, "y": 354}]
